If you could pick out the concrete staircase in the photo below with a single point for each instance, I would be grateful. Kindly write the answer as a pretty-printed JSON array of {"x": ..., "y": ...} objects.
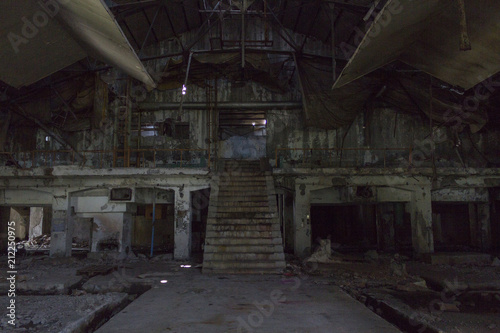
[{"x": 243, "y": 232}]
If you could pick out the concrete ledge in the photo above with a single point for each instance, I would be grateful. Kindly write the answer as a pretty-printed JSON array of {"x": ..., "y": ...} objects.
[{"x": 75, "y": 171}]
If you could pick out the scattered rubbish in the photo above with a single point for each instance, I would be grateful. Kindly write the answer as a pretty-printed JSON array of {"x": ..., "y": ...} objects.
[
  {"x": 371, "y": 256},
  {"x": 421, "y": 284},
  {"x": 323, "y": 253},
  {"x": 496, "y": 262},
  {"x": 37, "y": 243},
  {"x": 397, "y": 266},
  {"x": 156, "y": 274},
  {"x": 163, "y": 257},
  {"x": 292, "y": 270},
  {"x": 447, "y": 307}
]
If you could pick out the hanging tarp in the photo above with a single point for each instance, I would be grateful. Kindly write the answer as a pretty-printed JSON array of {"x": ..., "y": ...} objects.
[
  {"x": 227, "y": 65},
  {"x": 427, "y": 35},
  {"x": 324, "y": 108}
]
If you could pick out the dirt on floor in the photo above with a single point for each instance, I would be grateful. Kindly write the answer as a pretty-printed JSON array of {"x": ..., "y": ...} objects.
[
  {"x": 68, "y": 294},
  {"x": 416, "y": 296}
]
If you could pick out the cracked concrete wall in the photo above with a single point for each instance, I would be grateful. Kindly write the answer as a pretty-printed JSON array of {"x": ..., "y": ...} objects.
[
  {"x": 182, "y": 236},
  {"x": 109, "y": 227},
  {"x": 62, "y": 225},
  {"x": 111, "y": 221},
  {"x": 380, "y": 128},
  {"x": 21, "y": 215},
  {"x": 460, "y": 195},
  {"x": 421, "y": 220}
]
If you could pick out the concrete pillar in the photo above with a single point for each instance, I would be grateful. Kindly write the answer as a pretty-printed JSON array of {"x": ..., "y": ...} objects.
[
  {"x": 127, "y": 232},
  {"x": 62, "y": 227},
  {"x": 182, "y": 236},
  {"x": 21, "y": 215},
  {"x": 36, "y": 222},
  {"x": 302, "y": 221},
  {"x": 484, "y": 222},
  {"x": 421, "y": 220},
  {"x": 4, "y": 219}
]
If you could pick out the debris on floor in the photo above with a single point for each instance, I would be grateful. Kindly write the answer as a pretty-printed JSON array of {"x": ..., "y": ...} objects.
[
  {"x": 62, "y": 313},
  {"x": 94, "y": 270},
  {"x": 39, "y": 242},
  {"x": 323, "y": 253},
  {"x": 496, "y": 262}
]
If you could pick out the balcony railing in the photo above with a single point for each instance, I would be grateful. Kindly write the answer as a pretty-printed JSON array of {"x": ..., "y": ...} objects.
[
  {"x": 343, "y": 157},
  {"x": 98, "y": 159}
]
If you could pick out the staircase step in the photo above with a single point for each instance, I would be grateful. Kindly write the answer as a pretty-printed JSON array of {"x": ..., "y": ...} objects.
[
  {"x": 243, "y": 209},
  {"x": 241, "y": 215},
  {"x": 246, "y": 234},
  {"x": 243, "y": 256},
  {"x": 243, "y": 233},
  {"x": 239, "y": 221},
  {"x": 243, "y": 227},
  {"x": 230, "y": 243},
  {"x": 241, "y": 271},
  {"x": 241, "y": 203},
  {"x": 244, "y": 248},
  {"x": 243, "y": 264}
]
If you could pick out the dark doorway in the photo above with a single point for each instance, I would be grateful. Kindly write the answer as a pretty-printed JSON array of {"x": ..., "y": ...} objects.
[
  {"x": 351, "y": 227},
  {"x": 495, "y": 225},
  {"x": 451, "y": 226},
  {"x": 200, "y": 201}
]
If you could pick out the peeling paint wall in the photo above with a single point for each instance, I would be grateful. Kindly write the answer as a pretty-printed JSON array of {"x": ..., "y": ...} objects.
[{"x": 383, "y": 128}]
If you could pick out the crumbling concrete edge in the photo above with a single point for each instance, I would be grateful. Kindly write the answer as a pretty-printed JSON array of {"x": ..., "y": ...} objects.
[
  {"x": 95, "y": 318},
  {"x": 402, "y": 318}
]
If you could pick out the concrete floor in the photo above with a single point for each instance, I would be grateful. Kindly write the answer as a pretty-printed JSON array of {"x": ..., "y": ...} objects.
[{"x": 192, "y": 302}]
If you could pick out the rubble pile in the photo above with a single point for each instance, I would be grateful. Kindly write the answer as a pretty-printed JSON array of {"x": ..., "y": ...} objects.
[{"x": 37, "y": 243}]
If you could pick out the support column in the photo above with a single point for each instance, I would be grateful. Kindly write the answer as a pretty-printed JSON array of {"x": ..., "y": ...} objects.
[
  {"x": 421, "y": 221},
  {"x": 302, "y": 221},
  {"x": 62, "y": 226},
  {"x": 182, "y": 236},
  {"x": 36, "y": 222},
  {"x": 484, "y": 222},
  {"x": 4, "y": 219},
  {"x": 126, "y": 233}
]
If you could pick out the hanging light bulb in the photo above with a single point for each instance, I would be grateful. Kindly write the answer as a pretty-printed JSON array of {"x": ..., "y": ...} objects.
[{"x": 184, "y": 89}]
